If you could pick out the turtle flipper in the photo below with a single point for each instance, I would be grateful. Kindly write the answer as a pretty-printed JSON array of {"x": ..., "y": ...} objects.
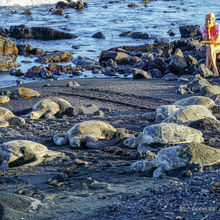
[
  {"x": 159, "y": 172},
  {"x": 4, "y": 124},
  {"x": 34, "y": 115}
]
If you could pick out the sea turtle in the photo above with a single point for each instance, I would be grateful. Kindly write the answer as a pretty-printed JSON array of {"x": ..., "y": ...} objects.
[
  {"x": 86, "y": 132},
  {"x": 196, "y": 100},
  {"x": 165, "y": 134},
  {"x": 25, "y": 93},
  {"x": 180, "y": 156},
  {"x": 4, "y": 99},
  {"x": 8, "y": 118},
  {"x": 24, "y": 153},
  {"x": 163, "y": 111},
  {"x": 188, "y": 114},
  {"x": 51, "y": 106}
]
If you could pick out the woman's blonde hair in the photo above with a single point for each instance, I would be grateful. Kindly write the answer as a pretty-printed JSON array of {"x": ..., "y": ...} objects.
[{"x": 210, "y": 15}]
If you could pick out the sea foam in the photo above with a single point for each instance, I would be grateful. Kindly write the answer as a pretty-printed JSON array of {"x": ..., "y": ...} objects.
[{"x": 4, "y": 3}]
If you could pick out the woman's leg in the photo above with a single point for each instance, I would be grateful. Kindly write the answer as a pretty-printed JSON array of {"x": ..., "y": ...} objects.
[
  {"x": 208, "y": 59},
  {"x": 212, "y": 50},
  {"x": 211, "y": 56}
]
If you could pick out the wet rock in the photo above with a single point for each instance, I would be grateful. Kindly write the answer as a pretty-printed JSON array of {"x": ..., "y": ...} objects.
[
  {"x": 139, "y": 35},
  {"x": 190, "y": 31},
  {"x": 204, "y": 71},
  {"x": 3, "y": 31},
  {"x": 209, "y": 91},
  {"x": 111, "y": 63},
  {"x": 108, "y": 71},
  {"x": 55, "y": 57},
  {"x": 178, "y": 62},
  {"x": 26, "y": 50},
  {"x": 197, "y": 83},
  {"x": 191, "y": 60},
  {"x": 16, "y": 72},
  {"x": 140, "y": 74},
  {"x": 118, "y": 57},
  {"x": 98, "y": 35},
  {"x": 38, "y": 33},
  {"x": 8, "y": 62},
  {"x": 126, "y": 34},
  {"x": 158, "y": 63},
  {"x": 28, "y": 12},
  {"x": 59, "y": 12},
  {"x": 44, "y": 73},
  {"x": 78, "y": 5},
  {"x": 84, "y": 61},
  {"x": 61, "y": 5},
  {"x": 114, "y": 2},
  {"x": 155, "y": 73},
  {"x": 34, "y": 71},
  {"x": 133, "y": 5},
  {"x": 170, "y": 32},
  {"x": 140, "y": 48},
  {"x": 7, "y": 46},
  {"x": 57, "y": 69},
  {"x": 170, "y": 77}
]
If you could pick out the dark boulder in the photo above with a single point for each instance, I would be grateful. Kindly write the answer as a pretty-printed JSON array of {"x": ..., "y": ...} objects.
[
  {"x": 38, "y": 33},
  {"x": 117, "y": 56},
  {"x": 190, "y": 31},
  {"x": 7, "y": 46},
  {"x": 98, "y": 35}
]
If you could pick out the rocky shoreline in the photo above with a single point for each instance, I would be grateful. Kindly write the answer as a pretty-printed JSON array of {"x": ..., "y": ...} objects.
[
  {"x": 155, "y": 60},
  {"x": 86, "y": 174}
]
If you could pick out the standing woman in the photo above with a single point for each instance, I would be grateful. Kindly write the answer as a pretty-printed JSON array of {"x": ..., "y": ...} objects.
[{"x": 211, "y": 36}]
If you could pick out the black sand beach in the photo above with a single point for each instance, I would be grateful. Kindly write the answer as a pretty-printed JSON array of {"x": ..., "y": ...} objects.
[{"x": 98, "y": 183}]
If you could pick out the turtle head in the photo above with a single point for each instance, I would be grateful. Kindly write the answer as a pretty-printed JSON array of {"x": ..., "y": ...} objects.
[
  {"x": 141, "y": 166},
  {"x": 16, "y": 121},
  {"x": 75, "y": 142},
  {"x": 34, "y": 115},
  {"x": 133, "y": 142}
]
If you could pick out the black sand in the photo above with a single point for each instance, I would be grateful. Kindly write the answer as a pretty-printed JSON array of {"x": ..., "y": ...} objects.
[{"x": 101, "y": 185}]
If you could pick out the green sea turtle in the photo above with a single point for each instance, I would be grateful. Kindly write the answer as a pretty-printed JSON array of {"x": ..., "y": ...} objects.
[
  {"x": 87, "y": 132},
  {"x": 24, "y": 153},
  {"x": 188, "y": 114},
  {"x": 163, "y": 111},
  {"x": 8, "y": 118},
  {"x": 165, "y": 134},
  {"x": 4, "y": 99},
  {"x": 196, "y": 100},
  {"x": 49, "y": 107},
  {"x": 25, "y": 93},
  {"x": 53, "y": 105},
  {"x": 180, "y": 156}
]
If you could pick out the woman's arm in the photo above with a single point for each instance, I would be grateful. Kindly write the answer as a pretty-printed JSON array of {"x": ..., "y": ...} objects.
[{"x": 216, "y": 41}]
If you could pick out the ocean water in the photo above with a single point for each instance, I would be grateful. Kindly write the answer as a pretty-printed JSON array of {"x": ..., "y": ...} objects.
[{"x": 154, "y": 18}]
